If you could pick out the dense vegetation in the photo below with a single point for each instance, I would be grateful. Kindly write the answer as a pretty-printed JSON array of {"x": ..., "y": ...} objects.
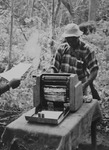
[{"x": 36, "y": 16}]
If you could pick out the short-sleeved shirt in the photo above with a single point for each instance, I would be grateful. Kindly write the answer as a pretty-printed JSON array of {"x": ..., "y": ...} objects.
[{"x": 77, "y": 61}]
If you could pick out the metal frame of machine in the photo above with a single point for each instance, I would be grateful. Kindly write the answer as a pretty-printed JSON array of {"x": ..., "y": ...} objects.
[{"x": 54, "y": 96}]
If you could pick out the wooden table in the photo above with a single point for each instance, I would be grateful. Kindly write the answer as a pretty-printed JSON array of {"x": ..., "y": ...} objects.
[{"x": 65, "y": 136}]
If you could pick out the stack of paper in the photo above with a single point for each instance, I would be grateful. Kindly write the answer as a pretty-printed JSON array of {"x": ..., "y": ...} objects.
[
  {"x": 50, "y": 114},
  {"x": 16, "y": 72}
]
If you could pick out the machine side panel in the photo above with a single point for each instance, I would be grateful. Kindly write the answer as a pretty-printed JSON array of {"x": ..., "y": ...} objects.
[
  {"x": 78, "y": 95},
  {"x": 36, "y": 92},
  {"x": 73, "y": 81}
]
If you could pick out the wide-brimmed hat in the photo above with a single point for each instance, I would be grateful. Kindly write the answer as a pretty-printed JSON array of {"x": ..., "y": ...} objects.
[{"x": 72, "y": 30}]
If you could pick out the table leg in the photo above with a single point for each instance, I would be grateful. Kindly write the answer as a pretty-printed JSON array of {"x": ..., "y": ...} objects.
[{"x": 93, "y": 135}]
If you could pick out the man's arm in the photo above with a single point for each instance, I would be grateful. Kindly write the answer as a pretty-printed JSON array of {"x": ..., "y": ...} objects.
[
  {"x": 56, "y": 62},
  {"x": 91, "y": 65},
  {"x": 55, "y": 68},
  {"x": 90, "y": 79}
]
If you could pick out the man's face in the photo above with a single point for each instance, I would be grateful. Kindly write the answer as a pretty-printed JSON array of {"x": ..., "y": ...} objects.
[{"x": 72, "y": 41}]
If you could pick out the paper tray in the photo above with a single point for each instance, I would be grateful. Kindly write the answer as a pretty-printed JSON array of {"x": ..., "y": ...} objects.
[{"x": 55, "y": 120}]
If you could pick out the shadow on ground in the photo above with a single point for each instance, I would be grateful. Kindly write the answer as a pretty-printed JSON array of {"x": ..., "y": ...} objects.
[
  {"x": 88, "y": 147},
  {"x": 102, "y": 142}
]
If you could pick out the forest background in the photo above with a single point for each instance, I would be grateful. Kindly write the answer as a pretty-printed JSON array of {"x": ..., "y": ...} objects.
[{"x": 30, "y": 31}]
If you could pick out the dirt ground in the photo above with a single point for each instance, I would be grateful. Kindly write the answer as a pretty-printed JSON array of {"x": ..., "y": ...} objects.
[{"x": 102, "y": 142}]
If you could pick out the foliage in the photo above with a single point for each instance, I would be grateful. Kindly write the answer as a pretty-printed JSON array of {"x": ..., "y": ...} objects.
[{"x": 26, "y": 21}]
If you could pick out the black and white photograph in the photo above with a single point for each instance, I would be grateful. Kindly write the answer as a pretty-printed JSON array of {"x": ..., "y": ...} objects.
[{"x": 54, "y": 74}]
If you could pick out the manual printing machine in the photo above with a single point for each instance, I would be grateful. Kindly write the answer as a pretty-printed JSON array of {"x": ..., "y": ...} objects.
[{"x": 54, "y": 96}]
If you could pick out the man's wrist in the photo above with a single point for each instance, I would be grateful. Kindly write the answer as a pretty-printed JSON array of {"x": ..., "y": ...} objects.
[
  {"x": 85, "y": 85},
  {"x": 52, "y": 70},
  {"x": 8, "y": 86}
]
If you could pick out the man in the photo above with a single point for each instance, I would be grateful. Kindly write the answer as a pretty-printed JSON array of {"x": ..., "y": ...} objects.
[
  {"x": 14, "y": 83},
  {"x": 74, "y": 56}
]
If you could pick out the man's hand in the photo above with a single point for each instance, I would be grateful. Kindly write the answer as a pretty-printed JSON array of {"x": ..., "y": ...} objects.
[
  {"x": 51, "y": 70},
  {"x": 14, "y": 83}
]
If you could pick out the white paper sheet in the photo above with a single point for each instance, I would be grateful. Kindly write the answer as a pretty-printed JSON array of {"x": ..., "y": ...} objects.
[
  {"x": 50, "y": 114},
  {"x": 16, "y": 72}
]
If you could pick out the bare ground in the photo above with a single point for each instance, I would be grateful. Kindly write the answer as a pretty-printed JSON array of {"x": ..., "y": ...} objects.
[{"x": 102, "y": 142}]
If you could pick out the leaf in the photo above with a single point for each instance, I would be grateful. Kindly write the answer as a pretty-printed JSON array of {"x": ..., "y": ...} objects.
[{"x": 107, "y": 116}]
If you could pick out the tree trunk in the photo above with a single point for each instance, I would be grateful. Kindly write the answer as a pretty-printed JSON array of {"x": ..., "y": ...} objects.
[
  {"x": 27, "y": 9},
  {"x": 11, "y": 35},
  {"x": 32, "y": 9},
  {"x": 54, "y": 15},
  {"x": 53, "y": 29},
  {"x": 57, "y": 10},
  {"x": 68, "y": 5},
  {"x": 92, "y": 10}
]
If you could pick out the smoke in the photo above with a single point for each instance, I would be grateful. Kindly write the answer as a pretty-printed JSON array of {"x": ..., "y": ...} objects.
[{"x": 33, "y": 49}]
